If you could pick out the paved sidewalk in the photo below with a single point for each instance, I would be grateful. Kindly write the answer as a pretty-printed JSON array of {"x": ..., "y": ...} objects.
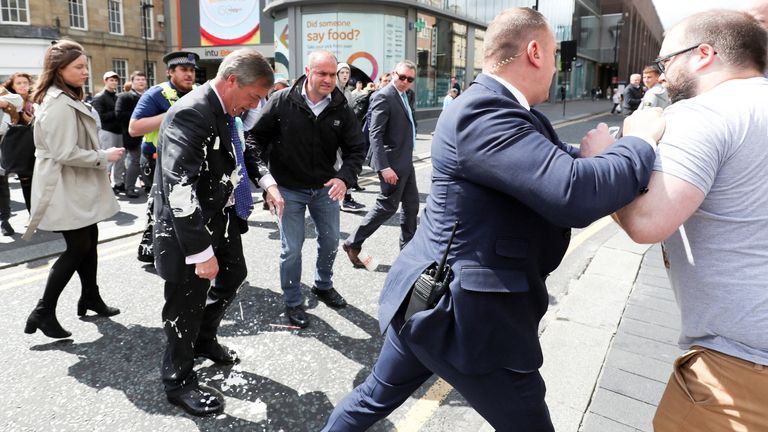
[{"x": 609, "y": 350}]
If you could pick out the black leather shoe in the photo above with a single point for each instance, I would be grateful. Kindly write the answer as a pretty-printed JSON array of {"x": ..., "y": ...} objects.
[
  {"x": 131, "y": 193},
  {"x": 199, "y": 401},
  {"x": 220, "y": 354},
  {"x": 331, "y": 297},
  {"x": 6, "y": 229},
  {"x": 297, "y": 316}
]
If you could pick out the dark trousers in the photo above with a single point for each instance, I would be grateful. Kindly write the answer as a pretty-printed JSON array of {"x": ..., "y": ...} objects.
[
  {"x": 5, "y": 195},
  {"x": 193, "y": 312},
  {"x": 81, "y": 256},
  {"x": 389, "y": 199},
  {"x": 5, "y": 198},
  {"x": 508, "y": 400}
]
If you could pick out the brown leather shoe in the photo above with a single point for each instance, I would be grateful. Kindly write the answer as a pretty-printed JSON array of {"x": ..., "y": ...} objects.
[{"x": 353, "y": 253}]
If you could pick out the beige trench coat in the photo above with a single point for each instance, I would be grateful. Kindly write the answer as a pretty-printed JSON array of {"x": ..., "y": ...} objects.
[{"x": 70, "y": 187}]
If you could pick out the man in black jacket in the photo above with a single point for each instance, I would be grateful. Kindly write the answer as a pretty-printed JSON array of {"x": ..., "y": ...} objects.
[
  {"x": 126, "y": 102},
  {"x": 294, "y": 145},
  {"x": 110, "y": 134},
  {"x": 633, "y": 94}
]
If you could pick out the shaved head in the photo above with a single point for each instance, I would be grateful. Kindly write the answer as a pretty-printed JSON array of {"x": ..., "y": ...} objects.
[{"x": 509, "y": 33}]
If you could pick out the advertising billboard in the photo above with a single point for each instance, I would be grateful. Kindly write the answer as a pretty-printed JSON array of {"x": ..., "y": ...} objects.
[
  {"x": 229, "y": 22},
  {"x": 373, "y": 43}
]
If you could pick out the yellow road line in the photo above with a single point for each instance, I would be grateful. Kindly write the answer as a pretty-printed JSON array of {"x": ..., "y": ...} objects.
[
  {"x": 424, "y": 408},
  {"x": 579, "y": 120},
  {"x": 25, "y": 277}
]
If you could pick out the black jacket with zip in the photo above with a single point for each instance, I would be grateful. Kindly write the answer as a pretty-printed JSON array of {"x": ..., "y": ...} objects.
[{"x": 298, "y": 148}]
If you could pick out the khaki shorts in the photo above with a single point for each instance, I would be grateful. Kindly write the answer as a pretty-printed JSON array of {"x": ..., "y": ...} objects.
[{"x": 713, "y": 392}]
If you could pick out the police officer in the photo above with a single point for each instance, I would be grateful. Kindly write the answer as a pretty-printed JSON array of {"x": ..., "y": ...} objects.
[{"x": 146, "y": 119}]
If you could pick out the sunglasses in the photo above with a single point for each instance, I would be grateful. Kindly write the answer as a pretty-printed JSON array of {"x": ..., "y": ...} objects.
[{"x": 405, "y": 78}]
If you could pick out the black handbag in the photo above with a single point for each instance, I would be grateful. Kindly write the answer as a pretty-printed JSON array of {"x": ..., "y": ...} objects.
[{"x": 17, "y": 150}]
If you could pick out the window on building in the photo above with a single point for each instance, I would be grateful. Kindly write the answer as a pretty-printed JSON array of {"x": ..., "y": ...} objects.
[
  {"x": 149, "y": 69},
  {"x": 147, "y": 19},
  {"x": 88, "y": 87},
  {"x": 479, "y": 55},
  {"x": 441, "y": 52},
  {"x": 78, "y": 15},
  {"x": 115, "y": 10},
  {"x": 14, "y": 12},
  {"x": 459, "y": 52},
  {"x": 120, "y": 66}
]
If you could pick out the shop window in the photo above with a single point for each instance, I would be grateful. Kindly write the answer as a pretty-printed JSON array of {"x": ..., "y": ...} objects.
[{"x": 441, "y": 52}]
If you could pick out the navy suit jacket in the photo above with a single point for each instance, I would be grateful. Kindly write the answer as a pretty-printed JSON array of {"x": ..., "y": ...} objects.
[
  {"x": 391, "y": 132},
  {"x": 515, "y": 189}
]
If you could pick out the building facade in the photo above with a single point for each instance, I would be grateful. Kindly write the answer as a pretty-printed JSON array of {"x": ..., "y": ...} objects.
[
  {"x": 639, "y": 32},
  {"x": 444, "y": 37},
  {"x": 119, "y": 35}
]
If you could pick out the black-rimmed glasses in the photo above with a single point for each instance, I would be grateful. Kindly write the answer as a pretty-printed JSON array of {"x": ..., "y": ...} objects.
[{"x": 661, "y": 62}]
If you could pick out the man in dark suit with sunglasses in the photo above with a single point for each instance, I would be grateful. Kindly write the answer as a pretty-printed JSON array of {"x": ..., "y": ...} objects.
[{"x": 392, "y": 136}]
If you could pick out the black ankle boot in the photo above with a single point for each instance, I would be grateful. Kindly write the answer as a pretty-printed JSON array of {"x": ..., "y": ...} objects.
[
  {"x": 44, "y": 318},
  {"x": 92, "y": 301}
]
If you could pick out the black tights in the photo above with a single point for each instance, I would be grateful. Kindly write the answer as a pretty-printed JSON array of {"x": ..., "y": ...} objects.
[{"x": 80, "y": 257}]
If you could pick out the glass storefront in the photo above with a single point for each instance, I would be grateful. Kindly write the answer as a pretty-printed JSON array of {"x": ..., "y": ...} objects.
[
  {"x": 443, "y": 44},
  {"x": 478, "y": 62},
  {"x": 441, "y": 52}
]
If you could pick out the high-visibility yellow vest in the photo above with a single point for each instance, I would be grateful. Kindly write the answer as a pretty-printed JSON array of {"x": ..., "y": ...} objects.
[{"x": 170, "y": 94}]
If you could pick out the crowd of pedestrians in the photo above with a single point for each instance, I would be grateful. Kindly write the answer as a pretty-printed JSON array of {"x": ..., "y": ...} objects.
[{"x": 505, "y": 192}]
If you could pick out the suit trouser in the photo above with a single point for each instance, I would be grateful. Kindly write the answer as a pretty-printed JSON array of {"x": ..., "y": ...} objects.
[
  {"x": 193, "y": 309},
  {"x": 389, "y": 199},
  {"x": 508, "y": 400},
  {"x": 132, "y": 168},
  {"x": 714, "y": 392}
]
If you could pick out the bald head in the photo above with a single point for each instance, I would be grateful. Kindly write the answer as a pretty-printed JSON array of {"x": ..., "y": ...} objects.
[
  {"x": 321, "y": 57},
  {"x": 509, "y": 33}
]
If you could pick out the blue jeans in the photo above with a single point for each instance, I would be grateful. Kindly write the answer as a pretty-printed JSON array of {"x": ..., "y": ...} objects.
[{"x": 325, "y": 214}]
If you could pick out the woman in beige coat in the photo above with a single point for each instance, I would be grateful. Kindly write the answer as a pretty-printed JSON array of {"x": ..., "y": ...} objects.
[{"x": 70, "y": 189}]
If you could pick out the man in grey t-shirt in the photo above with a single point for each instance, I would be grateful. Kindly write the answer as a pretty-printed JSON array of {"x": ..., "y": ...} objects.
[{"x": 708, "y": 203}]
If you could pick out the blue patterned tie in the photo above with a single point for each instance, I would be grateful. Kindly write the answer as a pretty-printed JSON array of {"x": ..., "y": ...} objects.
[
  {"x": 410, "y": 116},
  {"x": 243, "y": 198}
]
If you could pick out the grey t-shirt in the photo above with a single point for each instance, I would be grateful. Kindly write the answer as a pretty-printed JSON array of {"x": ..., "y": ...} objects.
[
  {"x": 718, "y": 261},
  {"x": 655, "y": 96}
]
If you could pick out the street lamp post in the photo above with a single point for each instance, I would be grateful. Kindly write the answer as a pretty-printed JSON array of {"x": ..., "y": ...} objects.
[
  {"x": 145, "y": 5},
  {"x": 619, "y": 23}
]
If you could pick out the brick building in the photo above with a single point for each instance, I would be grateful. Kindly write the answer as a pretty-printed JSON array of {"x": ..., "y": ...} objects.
[{"x": 111, "y": 31}]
